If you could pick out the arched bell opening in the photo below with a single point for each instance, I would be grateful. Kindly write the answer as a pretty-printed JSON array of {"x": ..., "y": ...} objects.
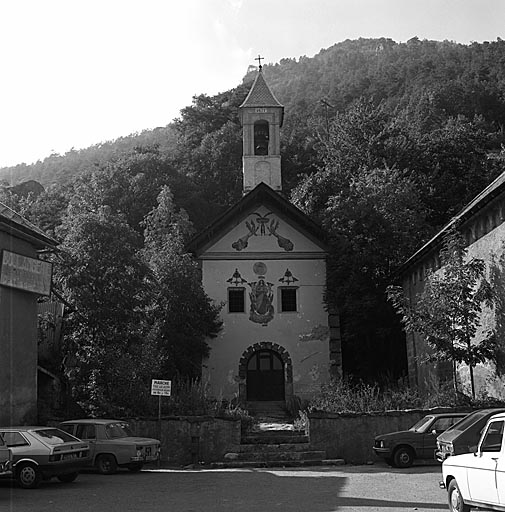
[{"x": 261, "y": 137}]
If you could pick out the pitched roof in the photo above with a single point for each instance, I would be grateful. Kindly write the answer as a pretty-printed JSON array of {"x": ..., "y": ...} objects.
[
  {"x": 17, "y": 225},
  {"x": 264, "y": 194},
  {"x": 260, "y": 94},
  {"x": 494, "y": 189}
]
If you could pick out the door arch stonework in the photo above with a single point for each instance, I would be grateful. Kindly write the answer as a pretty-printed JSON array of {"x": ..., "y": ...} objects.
[{"x": 279, "y": 351}]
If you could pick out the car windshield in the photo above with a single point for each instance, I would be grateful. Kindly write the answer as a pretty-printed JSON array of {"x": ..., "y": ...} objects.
[
  {"x": 116, "y": 430},
  {"x": 422, "y": 424},
  {"x": 54, "y": 436}
]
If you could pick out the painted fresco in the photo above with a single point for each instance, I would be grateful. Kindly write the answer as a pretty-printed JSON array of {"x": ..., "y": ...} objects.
[{"x": 262, "y": 229}]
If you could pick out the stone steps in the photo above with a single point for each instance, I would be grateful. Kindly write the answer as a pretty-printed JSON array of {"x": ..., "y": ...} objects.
[
  {"x": 280, "y": 454},
  {"x": 273, "y": 442},
  {"x": 277, "y": 464},
  {"x": 269, "y": 409},
  {"x": 263, "y": 447},
  {"x": 277, "y": 438}
]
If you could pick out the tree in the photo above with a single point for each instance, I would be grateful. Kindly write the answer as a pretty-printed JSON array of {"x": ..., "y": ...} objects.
[
  {"x": 181, "y": 316},
  {"x": 103, "y": 278},
  {"x": 374, "y": 219},
  {"x": 446, "y": 314}
]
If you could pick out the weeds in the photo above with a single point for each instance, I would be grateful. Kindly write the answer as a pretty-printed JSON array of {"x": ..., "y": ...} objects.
[{"x": 346, "y": 396}]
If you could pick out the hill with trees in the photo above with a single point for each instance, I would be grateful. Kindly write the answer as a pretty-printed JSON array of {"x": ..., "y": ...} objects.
[{"x": 383, "y": 143}]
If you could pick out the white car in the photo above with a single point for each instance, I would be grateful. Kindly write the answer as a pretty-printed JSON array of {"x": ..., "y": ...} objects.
[{"x": 478, "y": 479}]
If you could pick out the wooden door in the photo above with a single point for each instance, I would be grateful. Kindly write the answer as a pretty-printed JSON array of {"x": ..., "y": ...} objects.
[{"x": 265, "y": 377}]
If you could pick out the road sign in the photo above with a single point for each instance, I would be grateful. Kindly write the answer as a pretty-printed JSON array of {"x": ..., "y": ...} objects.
[{"x": 161, "y": 387}]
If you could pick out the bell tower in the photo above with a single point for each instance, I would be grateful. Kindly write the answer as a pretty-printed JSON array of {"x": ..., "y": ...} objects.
[{"x": 261, "y": 116}]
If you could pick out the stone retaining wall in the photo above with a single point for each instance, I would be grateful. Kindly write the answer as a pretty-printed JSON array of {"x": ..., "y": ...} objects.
[
  {"x": 191, "y": 439},
  {"x": 351, "y": 436}
]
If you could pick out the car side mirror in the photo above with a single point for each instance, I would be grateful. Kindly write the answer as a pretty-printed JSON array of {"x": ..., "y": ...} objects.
[{"x": 434, "y": 432}]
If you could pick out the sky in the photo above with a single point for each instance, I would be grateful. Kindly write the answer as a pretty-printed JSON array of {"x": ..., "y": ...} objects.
[{"x": 74, "y": 73}]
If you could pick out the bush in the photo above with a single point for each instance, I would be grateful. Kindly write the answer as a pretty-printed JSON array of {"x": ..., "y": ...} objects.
[{"x": 346, "y": 396}]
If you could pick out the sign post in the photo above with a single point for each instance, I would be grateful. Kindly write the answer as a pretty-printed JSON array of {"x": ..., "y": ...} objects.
[{"x": 160, "y": 388}]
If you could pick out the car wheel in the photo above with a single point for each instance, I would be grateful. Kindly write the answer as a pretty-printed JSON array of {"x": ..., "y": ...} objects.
[
  {"x": 28, "y": 476},
  {"x": 403, "y": 457},
  {"x": 68, "y": 477},
  {"x": 456, "y": 503},
  {"x": 106, "y": 464},
  {"x": 135, "y": 468}
]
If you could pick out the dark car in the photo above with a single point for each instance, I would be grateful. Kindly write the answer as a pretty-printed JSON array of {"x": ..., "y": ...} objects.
[
  {"x": 400, "y": 449},
  {"x": 113, "y": 444},
  {"x": 40, "y": 453},
  {"x": 463, "y": 436}
]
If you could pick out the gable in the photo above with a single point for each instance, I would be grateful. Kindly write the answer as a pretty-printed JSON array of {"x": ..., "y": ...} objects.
[
  {"x": 262, "y": 229},
  {"x": 261, "y": 222}
]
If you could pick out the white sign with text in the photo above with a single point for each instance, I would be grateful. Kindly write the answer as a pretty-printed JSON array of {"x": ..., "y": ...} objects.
[{"x": 161, "y": 387}]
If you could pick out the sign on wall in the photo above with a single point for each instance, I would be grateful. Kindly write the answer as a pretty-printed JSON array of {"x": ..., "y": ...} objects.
[
  {"x": 161, "y": 387},
  {"x": 24, "y": 273}
]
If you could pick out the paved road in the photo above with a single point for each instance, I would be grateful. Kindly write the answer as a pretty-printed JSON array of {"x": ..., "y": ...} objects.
[{"x": 317, "y": 489}]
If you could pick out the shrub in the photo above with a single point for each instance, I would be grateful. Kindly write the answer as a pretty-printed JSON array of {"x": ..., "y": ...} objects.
[{"x": 347, "y": 396}]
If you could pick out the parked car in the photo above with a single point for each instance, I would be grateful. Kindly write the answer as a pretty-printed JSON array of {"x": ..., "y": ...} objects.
[
  {"x": 400, "y": 449},
  {"x": 478, "y": 479},
  {"x": 113, "y": 444},
  {"x": 5, "y": 457},
  {"x": 40, "y": 453},
  {"x": 463, "y": 436}
]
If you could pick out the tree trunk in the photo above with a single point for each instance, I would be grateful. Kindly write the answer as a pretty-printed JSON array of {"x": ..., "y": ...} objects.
[
  {"x": 455, "y": 379},
  {"x": 472, "y": 381}
]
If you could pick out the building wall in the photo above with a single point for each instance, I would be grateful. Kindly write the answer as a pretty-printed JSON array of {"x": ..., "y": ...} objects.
[
  {"x": 485, "y": 236},
  {"x": 303, "y": 336},
  {"x": 18, "y": 345}
]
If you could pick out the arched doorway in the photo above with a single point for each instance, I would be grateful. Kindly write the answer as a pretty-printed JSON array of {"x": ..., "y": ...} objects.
[
  {"x": 265, "y": 373},
  {"x": 265, "y": 377}
]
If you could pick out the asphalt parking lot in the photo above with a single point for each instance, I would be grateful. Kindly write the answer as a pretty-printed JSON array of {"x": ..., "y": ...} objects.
[{"x": 317, "y": 489}]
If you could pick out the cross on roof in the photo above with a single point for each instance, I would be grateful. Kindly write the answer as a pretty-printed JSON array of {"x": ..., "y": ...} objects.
[{"x": 259, "y": 59}]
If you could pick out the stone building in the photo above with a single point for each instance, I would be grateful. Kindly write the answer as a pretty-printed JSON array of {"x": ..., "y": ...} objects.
[
  {"x": 482, "y": 223},
  {"x": 265, "y": 260},
  {"x": 23, "y": 278}
]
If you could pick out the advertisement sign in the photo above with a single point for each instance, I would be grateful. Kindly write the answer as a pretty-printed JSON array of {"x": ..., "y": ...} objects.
[{"x": 24, "y": 273}]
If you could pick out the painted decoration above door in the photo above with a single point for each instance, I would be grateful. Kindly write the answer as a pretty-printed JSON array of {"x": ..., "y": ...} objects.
[{"x": 262, "y": 225}]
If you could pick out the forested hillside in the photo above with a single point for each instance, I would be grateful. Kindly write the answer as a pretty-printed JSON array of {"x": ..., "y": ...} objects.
[{"x": 382, "y": 144}]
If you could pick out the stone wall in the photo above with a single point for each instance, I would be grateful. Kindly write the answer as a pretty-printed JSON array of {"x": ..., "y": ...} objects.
[
  {"x": 351, "y": 436},
  {"x": 191, "y": 439}
]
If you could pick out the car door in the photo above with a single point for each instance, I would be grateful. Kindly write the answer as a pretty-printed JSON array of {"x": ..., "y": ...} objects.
[
  {"x": 87, "y": 432},
  {"x": 482, "y": 470},
  {"x": 17, "y": 443},
  {"x": 500, "y": 476},
  {"x": 432, "y": 432}
]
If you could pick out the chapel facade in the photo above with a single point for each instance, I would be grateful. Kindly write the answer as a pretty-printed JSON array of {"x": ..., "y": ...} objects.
[{"x": 265, "y": 260}]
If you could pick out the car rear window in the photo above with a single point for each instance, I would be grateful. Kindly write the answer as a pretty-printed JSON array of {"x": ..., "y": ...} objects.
[
  {"x": 54, "y": 436},
  {"x": 469, "y": 420},
  {"x": 117, "y": 430}
]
